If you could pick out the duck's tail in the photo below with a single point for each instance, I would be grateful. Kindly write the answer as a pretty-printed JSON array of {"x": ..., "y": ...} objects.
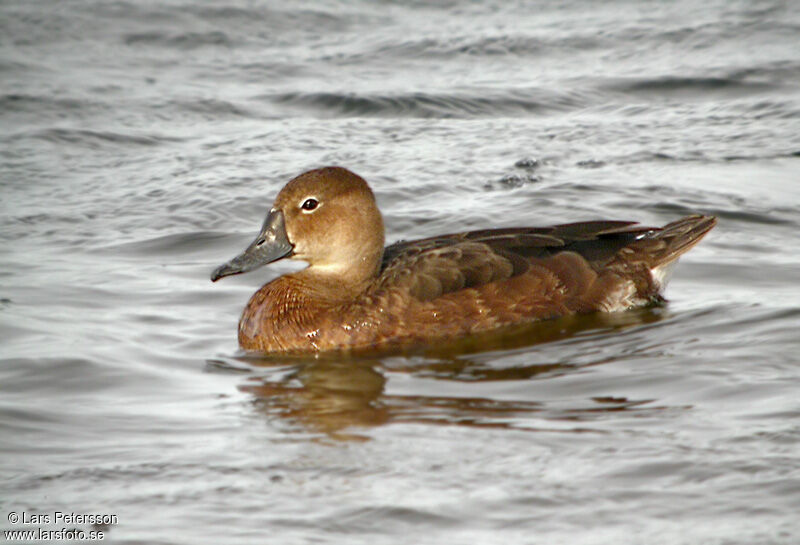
[
  {"x": 661, "y": 249},
  {"x": 677, "y": 238}
]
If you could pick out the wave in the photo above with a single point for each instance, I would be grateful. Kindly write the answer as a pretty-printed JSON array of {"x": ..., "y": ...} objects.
[
  {"x": 93, "y": 139},
  {"x": 212, "y": 108},
  {"x": 462, "y": 45},
  {"x": 196, "y": 242},
  {"x": 13, "y": 66},
  {"x": 283, "y": 18},
  {"x": 701, "y": 86},
  {"x": 14, "y": 102},
  {"x": 430, "y": 105},
  {"x": 186, "y": 40},
  {"x": 685, "y": 156},
  {"x": 529, "y": 44},
  {"x": 232, "y": 26},
  {"x": 538, "y": 100}
]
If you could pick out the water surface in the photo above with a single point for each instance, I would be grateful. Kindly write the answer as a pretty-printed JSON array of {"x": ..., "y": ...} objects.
[{"x": 142, "y": 143}]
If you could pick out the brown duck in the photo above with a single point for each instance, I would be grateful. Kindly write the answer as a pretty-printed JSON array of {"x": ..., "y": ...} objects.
[{"x": 356, "y": 294}]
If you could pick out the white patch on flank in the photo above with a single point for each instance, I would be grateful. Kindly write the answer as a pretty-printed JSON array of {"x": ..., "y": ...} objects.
[{"x": 662, "y": 274}]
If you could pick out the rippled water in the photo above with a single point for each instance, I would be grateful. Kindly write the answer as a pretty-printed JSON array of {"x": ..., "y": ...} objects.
[{"x": 142, "y": 142}]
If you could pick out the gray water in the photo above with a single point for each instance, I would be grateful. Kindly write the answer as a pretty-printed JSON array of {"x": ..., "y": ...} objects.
[{"x": 141, "y": 144}]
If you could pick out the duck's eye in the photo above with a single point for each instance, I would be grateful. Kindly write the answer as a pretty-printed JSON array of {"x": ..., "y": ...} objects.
[{"x": 309, "y": 204}]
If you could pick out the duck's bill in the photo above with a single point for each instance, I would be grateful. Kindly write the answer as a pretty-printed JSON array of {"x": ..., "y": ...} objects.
[{"x": 270, "y": 245}]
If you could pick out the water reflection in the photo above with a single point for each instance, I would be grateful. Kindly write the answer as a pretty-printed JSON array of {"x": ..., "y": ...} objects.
[
  {"x": 325, "y": 396},
  {"x": 336, "y": 396}
]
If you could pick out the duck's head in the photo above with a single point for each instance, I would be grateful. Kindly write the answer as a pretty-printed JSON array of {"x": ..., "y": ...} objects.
[{"x": 326, "y": 217}]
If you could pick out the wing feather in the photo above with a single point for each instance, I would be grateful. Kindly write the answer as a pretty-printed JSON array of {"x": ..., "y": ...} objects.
[
  {"x": 432, "y": 267},
  {"x": 430, "y": 273}
]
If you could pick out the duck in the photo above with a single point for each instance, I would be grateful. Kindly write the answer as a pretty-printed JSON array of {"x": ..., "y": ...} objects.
[{"x": 355, "y": 294}]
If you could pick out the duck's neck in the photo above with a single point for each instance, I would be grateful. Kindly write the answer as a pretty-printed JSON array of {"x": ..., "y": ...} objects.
[
  {"x": 331, "y": 286},
  {"x": 343, "y": 277}
]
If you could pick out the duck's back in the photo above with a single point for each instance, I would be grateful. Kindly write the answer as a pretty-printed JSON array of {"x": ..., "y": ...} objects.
[{"x": 465, "y": 283}]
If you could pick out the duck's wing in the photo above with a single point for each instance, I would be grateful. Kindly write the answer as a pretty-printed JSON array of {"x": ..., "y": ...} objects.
[
  {"x": 432, "y": 267},
  {"x": 527, "y": 240}
]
